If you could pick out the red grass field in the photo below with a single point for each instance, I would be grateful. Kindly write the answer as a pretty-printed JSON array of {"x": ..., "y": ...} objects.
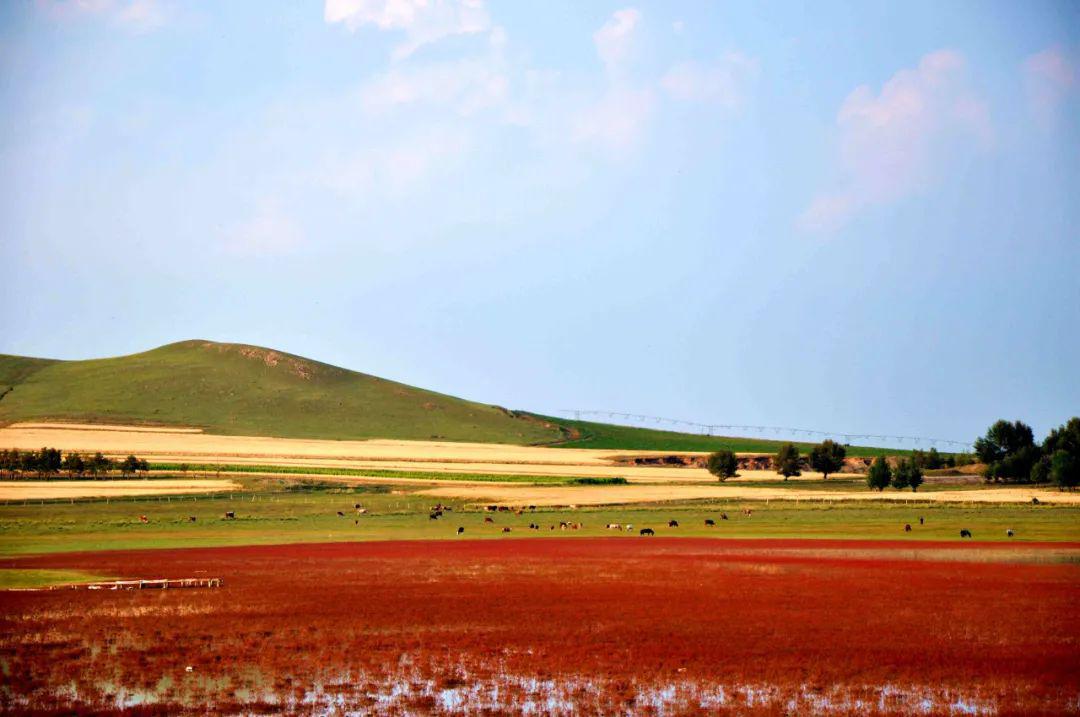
[{"x": 591, "y": 626}]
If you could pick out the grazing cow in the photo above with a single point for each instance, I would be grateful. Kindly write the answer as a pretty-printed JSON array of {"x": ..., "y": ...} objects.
[
  {"x": 340, "y": 514},
  {"x": 1009, "y": 533},
  {"x": 506, "y": 530},
  {"x": 1034, "y": 501},
  {"x": 143, "y": 519},
  {"x": 504, "y": 508},
  {"x": 492, "y": 508},
  {"x": 489, "y": 520},
  {"x": 647, "y": 531},
  {"x": 907, "y": 527},
  {"x": 191, "y": 518},
  {"x": 709, "y": 521},
  {"x": 433, "y": 516},
  {"x": 965, "y": 533},
  {"x": 563, "y": 525},
  {"x": 534, "y": 526},
  {"x": 723, "y": 516},
  {"x": 230, "y": 515},
  {"x": 613, "y": 526},
  {"x": 920, "y": 520},
  {"x": 673, "y": 524},
  {"x": 460, "y": 530},
  {"x": 532, "y": 507}
]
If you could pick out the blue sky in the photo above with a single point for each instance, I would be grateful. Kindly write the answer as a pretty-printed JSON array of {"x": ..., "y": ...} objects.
[{"x": 852, "y": 216}]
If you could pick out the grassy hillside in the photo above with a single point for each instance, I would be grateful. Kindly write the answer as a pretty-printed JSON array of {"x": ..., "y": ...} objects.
[
  {"x": 246, "y": 390},
  {"x": 607, "y": 435}
]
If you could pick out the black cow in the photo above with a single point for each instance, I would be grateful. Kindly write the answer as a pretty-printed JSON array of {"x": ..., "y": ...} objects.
[
  {"x": 460, "y": 530},
  {"x": 673, "y": 524},
  {"x": 907, "y": 527},
  {"x": 1009, "y": 533},
  {"x": 709, "y": 521},
  {"x": 920, "y": 520},
  {"x": 506, "y": 530},
  {"x": 433, "y": 516},
  {"x": 229, "y": 515},
  {"x": 647, "y": 531},
  {"x": 341, "y": 514},
  {"x": 356, "y": 506},
  {"x": 965, "y": 533},
  {"x": 191, "y": 518}
]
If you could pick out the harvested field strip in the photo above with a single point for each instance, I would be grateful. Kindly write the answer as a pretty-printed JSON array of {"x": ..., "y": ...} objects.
[
  {"x": 376, "y": 473},
  {"x": 70, "y": 489}
]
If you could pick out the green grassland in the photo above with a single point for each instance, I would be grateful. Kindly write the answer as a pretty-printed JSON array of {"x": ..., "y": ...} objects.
[
  {"x": 246, "y": 390},
  {"x": 611, "y": 436},
  {"x": 235, "y": 389},
  {"x": 23, "y": 578},
  {"x": 273, "y": 511}
]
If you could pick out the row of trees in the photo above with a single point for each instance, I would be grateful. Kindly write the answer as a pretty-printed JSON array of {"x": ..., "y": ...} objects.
[
  {"x": 1011, "y": 455},
  {"x": 50, "y": 463},
  {"x": 828, "y": 457}
]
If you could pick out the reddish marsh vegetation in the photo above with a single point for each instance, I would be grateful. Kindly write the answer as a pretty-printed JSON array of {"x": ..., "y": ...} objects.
[{"x": 556, "y": 626}]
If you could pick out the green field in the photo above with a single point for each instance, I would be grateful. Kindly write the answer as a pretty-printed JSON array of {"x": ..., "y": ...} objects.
[
  {"x": 20, "y": 578},
  {"x": 235, "y": 389},
  {"x": 246, "y": 468},
  {"x": 273, "y": 511},
  {"x": 611, "y": 436},
  {"x": 246, "y": 390}
]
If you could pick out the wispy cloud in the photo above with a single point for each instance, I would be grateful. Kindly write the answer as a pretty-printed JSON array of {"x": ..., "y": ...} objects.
[
  {"x": 894, "y": 142},
  {"x": 1050, "y": 77},
  {"x": 723, "y": 82},
  {"x": 422, "y": 21},
  {"x": 615, "y": 40}
]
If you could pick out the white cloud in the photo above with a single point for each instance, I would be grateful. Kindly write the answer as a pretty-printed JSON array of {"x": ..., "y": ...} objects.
[
  {"x": 617, "y": 121},
  {"x": 267, "y": 232},
  {"x": 723, "y": 82},
  {"x": 615, "y": 40},
  {"x": 423, "y": 21},
  {"x": 467, "y": 85},
  {"x": 893, "y": 143},
  {"x": 133, "y": 15},
  {"x": 1049, "y": 76}
]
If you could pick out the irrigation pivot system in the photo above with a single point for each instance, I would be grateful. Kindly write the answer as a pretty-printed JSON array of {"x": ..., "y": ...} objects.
[{"x": 750, "y": 431}]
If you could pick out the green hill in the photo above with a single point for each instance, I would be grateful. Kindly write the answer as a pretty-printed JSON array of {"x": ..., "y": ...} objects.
[{"x": 246, "y": 390}]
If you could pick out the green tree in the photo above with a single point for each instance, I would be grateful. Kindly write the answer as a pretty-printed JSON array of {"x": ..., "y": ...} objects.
[
  {"x": 787, "y": 461},
  {"x": 827, "y": 457},
  {"x": 1064, "y": 469},
  {"x": 1009, "y": 451},
  {"x": 723, "y": 464},
  {"x": 901, "y": 472},
  {"x": 129, "y": 466},
  {"x": 74, "y": 464},
  {"x": 915, "y": 478},
  {"x": 880, "y": 474}
]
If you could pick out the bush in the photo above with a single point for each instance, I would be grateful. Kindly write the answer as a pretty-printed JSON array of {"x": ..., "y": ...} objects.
[{"x": 723, "y": 464}]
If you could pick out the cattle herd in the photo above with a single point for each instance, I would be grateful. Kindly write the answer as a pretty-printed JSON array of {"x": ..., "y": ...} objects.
[{"x": 438, "y": 510}]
